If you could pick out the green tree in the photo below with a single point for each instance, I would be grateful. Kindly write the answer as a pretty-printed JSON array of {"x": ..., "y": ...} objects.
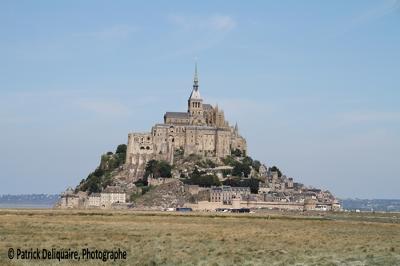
[
  {"x": 236, "y": 153},
  {"x": 275, "y": 169},
  {"x": 98, "y": 172},
  {"x": 107, "y": 181},
  {"x": 256, "y": 165},
  {"x": 252, "y": 183},
  {"x": 120, "y": 154},
  {"x": 121, "y": 148},
  {"x": 241, "y": 169},
  {"x": 164, "y": 169},
  {"x": 247, "y": 160},
  {"x": 205, "y": 180},
  {"x": 233, "y": 182},
  {"x": 92, "y": 184},
  {"x": 158, "y": 169},
  {"x": 150, "y": 167},
  {"x": 229, "y": 160}
]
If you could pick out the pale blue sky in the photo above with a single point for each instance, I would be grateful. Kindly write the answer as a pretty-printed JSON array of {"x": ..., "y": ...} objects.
[{"x": 313, "y": 85}]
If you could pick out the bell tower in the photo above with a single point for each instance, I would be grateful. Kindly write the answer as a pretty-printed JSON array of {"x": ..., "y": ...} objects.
[{"x": 195, "y": 102}]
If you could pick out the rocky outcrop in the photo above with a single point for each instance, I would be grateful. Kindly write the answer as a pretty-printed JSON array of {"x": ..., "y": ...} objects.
[{"x": 168, "y": 195}]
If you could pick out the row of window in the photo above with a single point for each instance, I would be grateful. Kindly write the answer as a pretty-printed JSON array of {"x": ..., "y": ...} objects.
[
  {"x": 145, "y": 148},
  {"x": 195, "y": 104},
  {"x": 141, "y": 139}
]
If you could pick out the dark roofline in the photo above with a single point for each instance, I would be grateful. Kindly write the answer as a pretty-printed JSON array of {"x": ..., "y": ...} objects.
[{"x": 177, "y": 114}]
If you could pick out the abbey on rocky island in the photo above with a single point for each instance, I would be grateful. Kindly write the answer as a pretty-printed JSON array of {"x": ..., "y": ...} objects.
[{"x": 202, "y": 130}]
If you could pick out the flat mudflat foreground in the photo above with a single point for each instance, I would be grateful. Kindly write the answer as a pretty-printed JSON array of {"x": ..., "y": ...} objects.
[{"x": 204, "y": 239}]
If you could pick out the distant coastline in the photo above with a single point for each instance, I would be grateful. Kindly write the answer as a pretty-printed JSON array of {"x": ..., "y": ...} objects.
[
  {"x": 28, "y": 201},
  {"x": 47, "y": 201},
  {"x": 25, "y": 206},
  {"x": 385, "y": 205}
]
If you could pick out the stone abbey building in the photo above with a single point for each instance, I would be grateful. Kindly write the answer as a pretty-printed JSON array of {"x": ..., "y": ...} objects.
[{"x": 201, "y": 130}]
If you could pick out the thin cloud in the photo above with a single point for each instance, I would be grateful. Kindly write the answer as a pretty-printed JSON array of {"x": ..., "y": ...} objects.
[
  {"x": 369, "y": 116},
  {"x": 220, "y": 23},
  {"x": 114, "y": 32},
  {"x": 202, "y": 33},
  {"x": 376, "y": 13},
  {"x": 103, "y": 107}
]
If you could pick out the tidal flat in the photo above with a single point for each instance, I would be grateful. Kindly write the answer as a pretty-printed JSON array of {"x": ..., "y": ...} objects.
[{"x": 161, "y": 238}]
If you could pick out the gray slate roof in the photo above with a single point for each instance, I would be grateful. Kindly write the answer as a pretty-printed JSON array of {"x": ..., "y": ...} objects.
[
  {"x": 207, "y": 106},
  {"x": 177, "y": 114}
]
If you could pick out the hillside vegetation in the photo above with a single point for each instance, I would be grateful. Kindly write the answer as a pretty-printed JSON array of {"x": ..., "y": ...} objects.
[
  {"x": 110, "y": 164},
  {"x": 237, "y": 170}
]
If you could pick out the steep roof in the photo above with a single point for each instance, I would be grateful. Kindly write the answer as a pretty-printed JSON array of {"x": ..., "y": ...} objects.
[
  {"x": 195, "y": 95},
  {"x": 207, "y": 106},
  {"x": 177, "y": 114}
]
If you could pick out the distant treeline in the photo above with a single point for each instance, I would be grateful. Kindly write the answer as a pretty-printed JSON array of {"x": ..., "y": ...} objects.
[
  {"x": 392, "y": 205},
  {"x": 29, "y": 199}
]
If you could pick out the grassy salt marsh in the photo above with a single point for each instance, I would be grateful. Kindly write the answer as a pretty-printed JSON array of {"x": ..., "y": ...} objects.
[{"x": 204, "y": 238}]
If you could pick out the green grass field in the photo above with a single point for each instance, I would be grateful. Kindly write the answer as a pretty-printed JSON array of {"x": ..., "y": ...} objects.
[{"x": 204, "y": 238}]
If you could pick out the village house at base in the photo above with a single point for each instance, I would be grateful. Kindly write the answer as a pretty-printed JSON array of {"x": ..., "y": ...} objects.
[{"x": 202, "y": 130}]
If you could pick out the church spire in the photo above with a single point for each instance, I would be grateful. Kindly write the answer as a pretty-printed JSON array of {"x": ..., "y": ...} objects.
[
  {"x": 196, "y": 78},
  {"x": 195, "y": 95}
]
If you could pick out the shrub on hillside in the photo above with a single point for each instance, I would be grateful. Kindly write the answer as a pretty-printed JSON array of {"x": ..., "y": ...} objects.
[
  {"x": 101, "y": 177},
  {"x": 158, "y": 169},
  {"x": 275, "y": 169},
  {"x": 256, "y": 165},
  {"x": 202, "y": 179},
  {"x": 252, "y": 183},
  {"x": 241, "y": 170},
  {"x": 236, "y": 153},
  {"x": 229, "y": 160}
]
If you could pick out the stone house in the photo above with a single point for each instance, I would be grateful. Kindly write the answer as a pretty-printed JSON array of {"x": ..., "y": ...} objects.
[
  {"x": 107, "y": 197},
  {"x": 225, "y": 194}
]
